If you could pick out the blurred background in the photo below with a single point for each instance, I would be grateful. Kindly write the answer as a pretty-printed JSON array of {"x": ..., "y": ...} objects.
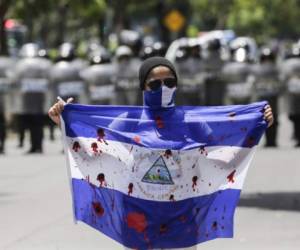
[{"x": 225, "y": 52}]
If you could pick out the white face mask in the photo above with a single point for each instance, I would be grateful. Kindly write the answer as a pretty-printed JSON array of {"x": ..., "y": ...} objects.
[
  {"x": 167, "y": 97},
  {"x": 163, "y": 97}
]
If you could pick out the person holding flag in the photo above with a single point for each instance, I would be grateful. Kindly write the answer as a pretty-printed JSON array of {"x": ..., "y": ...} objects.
[{"x": 159, "y": 176}]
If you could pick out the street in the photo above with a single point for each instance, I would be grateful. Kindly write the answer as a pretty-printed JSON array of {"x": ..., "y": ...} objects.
[{"x": 36, "y": 210}]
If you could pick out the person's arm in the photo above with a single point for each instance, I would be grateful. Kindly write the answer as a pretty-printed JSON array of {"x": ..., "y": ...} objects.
[
  {"x": 268, "y": 115},
  {"x": 55, "y": 111}
]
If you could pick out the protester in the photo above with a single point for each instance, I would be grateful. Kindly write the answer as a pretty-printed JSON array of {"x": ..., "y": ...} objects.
[{"x": 158, "y": 81}]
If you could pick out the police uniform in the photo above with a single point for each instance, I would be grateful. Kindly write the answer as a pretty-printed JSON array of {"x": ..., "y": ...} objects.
[
  {"x": 99, "y": 79},
  {"x": 5, "y": 64},
  {"x": 267, "y": 87},
  {"x": 126, "y": 82},
  {"x": 32, "y": 84},
  {"x": 239, "y": 84},
  {"x": 66, "y": 82},
  {"x": 290, "y": 69},
  {"x": 213, "y": 64},
  {"x": 192, "y": 78}
]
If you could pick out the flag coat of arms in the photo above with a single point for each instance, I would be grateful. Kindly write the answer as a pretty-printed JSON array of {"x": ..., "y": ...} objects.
[{"x": 159, "y": 178}]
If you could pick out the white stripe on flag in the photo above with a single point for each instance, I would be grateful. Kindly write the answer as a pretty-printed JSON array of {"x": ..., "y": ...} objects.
[{"x": 158, "y": 175}]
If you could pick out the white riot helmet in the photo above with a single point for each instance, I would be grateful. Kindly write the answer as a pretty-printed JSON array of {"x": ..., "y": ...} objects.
[
  {"x": 29, "y": 50},
  {"x": 123, "y": 52},
  {"x": 243, "y": 49}
]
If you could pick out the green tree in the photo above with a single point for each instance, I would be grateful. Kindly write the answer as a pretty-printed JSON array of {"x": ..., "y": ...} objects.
[
  {"x": 262, "y": 19},
  {"x": 211, "y": 14},
  {"x": 247, "y": 17}
]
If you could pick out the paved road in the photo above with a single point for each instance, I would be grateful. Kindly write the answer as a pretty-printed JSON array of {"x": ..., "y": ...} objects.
[{"x": 35, "y": 206}]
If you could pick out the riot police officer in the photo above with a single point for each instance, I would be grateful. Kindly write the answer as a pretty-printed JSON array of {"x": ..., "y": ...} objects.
[
  {"x": 190, "y": 68},
  {"x": 267, "y": 87},
  {"x": 64, "y": 75},
  {"x": 5, "y": 64},
  {"x": 131, "y": 39},
  {"x": 126, "y": 78},
  {"x": 44, "y": 53},
  {"x": 32, "y": 84},
  {"x": 99, "y": 77},
  {"x": 158, "y": 48},
  {"x": 237, "y": 72},
  {"x": 213, "y": 64},
  {"x": 290, "y": 70},
  {"x": 65, "y": 80},
  {"x": 147, "y": 52}
]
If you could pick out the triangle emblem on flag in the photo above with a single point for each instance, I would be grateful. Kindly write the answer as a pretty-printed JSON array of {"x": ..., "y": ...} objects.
[{"x": 158, "y": 173}]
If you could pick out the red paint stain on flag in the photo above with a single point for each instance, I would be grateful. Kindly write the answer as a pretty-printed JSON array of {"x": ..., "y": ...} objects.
[
  {"x": 159, "y": 122},
  {"x": 230, "y": 177},
  {"x": 137, "y": 221},
  {"x": 98, "y": 209},
  {"x": 76, "y": 146},
  {"x": 101, "y": 179},
  {"x": 168, "y": 153},
  {"x": 94, "y": 147},
  {"x": 194, "y": 180},
  {"x": 130, "y": 188},
  {"x": 137, "y": 139}
]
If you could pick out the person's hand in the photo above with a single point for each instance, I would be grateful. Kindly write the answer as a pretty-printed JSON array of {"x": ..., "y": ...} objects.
[
  {"x": 55, "y": 111},
  {"x": 268, "y": 115}
]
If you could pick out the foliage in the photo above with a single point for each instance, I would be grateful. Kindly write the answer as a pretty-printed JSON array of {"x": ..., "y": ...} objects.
[
  {"x": 262, "y": 19},
  {"x": 53, "y": 21}
]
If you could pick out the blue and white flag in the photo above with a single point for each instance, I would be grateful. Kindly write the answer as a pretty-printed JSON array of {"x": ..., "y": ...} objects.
[{"x": 160, "y": 178}]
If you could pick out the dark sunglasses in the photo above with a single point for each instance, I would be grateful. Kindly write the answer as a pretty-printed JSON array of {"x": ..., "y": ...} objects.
[{"x": 156, "y": 84}]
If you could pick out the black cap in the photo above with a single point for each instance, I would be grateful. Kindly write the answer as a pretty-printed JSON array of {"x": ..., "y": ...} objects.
[{"x": 151, "y": 63}]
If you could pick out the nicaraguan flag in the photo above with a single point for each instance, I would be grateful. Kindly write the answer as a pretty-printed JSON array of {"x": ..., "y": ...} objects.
[{"x": 168, "y": 178}]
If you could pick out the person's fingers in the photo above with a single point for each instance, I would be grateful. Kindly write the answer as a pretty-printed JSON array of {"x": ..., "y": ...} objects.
[
  {"x": 269, "y": 119},
  {"x": 60, "y": 107},
  {"x": 267, "y": 114},
  {"x": 55, "y": 111},
  {"x": 71, "y": 99},
  {"x": 51, "y": 112},
  {"x": 268, "y": 111},
  {"x": 60, "y": 103},
  {"x": 267, "y": 108}
]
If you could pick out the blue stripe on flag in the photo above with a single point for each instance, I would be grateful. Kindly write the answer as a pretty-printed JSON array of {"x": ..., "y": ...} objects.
[
  {"x": 144, "y": 224},
  {"x": 173, "y": 128}
]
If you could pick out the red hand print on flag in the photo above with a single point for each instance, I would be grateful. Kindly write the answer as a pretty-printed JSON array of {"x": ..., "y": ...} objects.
[
  {"x": 171, "y": 198},
  {"x": 101, "y": 179},
  {"x": 203, "y": 151},
  {"x": 168, "y": 153},
  {"x": 194, "y": 180},
  {"x": 101, "y": 135},
  {"x": 94, "y": 147},
  {"x": 130, "y": 188},
  {"x": 230, "y": 177},
  {"x": 76, "y": 146}
]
